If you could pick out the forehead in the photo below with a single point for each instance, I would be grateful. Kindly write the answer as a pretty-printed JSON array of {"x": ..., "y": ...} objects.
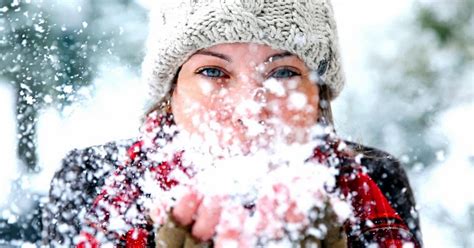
[
  {"x": 243, "y": 52},
  {"x": 251, "y": 47}
]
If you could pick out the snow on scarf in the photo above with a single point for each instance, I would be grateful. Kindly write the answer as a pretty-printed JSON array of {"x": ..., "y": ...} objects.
[{"x": 119, "y": 216}]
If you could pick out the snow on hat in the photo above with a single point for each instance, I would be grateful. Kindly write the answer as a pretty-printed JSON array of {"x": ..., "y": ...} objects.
[{"x": 179, "y": 28}]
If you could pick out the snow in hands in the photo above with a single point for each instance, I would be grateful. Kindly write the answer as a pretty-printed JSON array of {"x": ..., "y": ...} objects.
[{"x": 273, "y": 195}]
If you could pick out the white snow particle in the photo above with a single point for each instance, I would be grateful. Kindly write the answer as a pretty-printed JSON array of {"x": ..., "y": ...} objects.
[
  {"x": 68, "y": 89},
  {"x": 15, "y": 3},
  {"x": 275, "y": 87},
  {"x": 29, "y": 100},
  {"x": 39, "y": 28},
  {"x": 205, "y": 87},
  {"x": 297, "y": 101},
  {"x": 48, "y": 99},
  {"x": 440, "y": 155},
  {"x": 408, "y": 245}
]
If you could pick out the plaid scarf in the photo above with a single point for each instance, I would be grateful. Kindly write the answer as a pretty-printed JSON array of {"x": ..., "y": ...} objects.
[{"x": 118, "y": 215}]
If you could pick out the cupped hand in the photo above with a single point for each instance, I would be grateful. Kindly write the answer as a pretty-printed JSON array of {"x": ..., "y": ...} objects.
[{"x": 230, "y": 224}]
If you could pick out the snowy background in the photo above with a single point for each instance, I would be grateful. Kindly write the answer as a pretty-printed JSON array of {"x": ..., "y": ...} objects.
[{"x": 410, "y": 91}]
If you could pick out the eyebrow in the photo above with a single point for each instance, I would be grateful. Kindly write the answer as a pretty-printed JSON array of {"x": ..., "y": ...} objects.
[
  {"x": 278, "y": 56},
  {"x": 270, "y": 58},
  {"x": 214, "y": 54}
]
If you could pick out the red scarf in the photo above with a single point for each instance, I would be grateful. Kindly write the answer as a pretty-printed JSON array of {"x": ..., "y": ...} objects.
[{"x": 375, "y": 219}]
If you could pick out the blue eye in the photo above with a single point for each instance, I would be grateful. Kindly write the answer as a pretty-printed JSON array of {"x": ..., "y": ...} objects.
[
  {"x": 284, "y": 73},
  {"x": 211, "y": 72}
]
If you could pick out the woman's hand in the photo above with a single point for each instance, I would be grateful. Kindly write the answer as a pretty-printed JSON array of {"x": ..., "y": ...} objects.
[
  {"x": 289, "y": 205},
  {"x": 203, "y": 214},
  {"x": 228, "y": 222},
  {"x": 210, "y": 216}
]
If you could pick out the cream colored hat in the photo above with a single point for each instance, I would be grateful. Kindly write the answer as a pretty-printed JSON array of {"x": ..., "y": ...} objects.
[{"x": 179, "y": 28}]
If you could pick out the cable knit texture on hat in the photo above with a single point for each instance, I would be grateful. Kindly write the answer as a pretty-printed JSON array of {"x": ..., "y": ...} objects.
[{"x": 179, "y": 28}]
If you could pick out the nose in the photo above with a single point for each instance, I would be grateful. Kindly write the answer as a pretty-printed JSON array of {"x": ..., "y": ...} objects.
[
  {"x": 253, "y": 108},
  {"x": 260, "y": 97},
  {"x": 257, "y": 96},
  {"x": 251, "y": 81}
]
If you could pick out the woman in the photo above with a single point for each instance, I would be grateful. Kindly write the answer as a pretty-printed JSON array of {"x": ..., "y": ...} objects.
[{"x": 240, "y": 77}]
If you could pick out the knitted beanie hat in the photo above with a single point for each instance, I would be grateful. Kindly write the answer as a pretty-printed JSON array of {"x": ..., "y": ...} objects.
[{"x": 179, "y": 28}]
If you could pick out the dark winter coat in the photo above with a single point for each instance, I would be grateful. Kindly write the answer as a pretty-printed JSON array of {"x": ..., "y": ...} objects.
[{"x": 76, "y": 185}]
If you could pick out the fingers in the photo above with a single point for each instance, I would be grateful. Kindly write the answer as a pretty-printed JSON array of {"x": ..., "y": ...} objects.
[
  {"x": 207, "y": 218},
  {"x": 231, "y": 228},
  {"x": 277, "y": 209},
  {"x": 205, "y": 213},
  {"x": 293, "y": 214},
  {"x": 185, "y": 209},
  {"x": 269, "y": 223},
  {"x": 230, "y": 224}
]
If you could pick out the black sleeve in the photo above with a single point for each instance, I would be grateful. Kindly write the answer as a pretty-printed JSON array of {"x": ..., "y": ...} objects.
[
  {"x": 73, "y": 190},
  {"x": 392, "y": 180}
]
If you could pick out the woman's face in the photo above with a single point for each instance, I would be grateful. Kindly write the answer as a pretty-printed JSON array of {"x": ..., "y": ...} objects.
[{"x": 245, "y": 95}]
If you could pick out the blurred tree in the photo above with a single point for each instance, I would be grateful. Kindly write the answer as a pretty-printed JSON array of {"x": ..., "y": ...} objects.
[
  {"x": 50, "y": 52},
  {"x": 426, "y": 69},
  {"x": 47, "y": 56},
  {"x": 422, "y": 67},
  {"x": 44, "y": 61}
]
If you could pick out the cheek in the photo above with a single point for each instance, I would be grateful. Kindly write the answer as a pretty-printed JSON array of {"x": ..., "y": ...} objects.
[
  {"x": 195, "y": 110},
  {"x": 221, "y": 106},
  {"x": 188, "y": 104},
  {"x": 299, "y": 108}
]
